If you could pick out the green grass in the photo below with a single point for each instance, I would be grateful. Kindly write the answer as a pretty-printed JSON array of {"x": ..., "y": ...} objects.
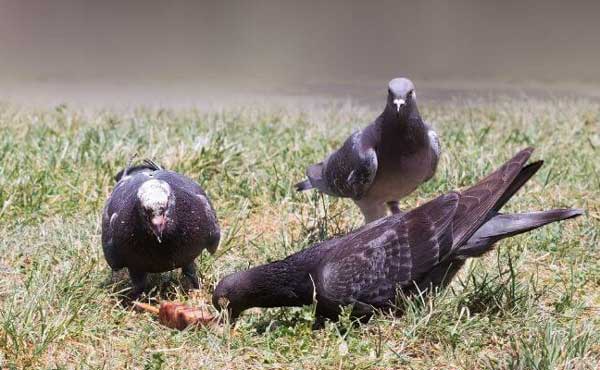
[{"x": 534, "y": 303}]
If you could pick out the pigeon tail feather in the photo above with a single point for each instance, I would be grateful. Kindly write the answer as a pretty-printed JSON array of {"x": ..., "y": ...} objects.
[
  {"x": 147, "y": 164},
  {"x": 506, "y": 225},
  {"x": 150, "y": 164}
]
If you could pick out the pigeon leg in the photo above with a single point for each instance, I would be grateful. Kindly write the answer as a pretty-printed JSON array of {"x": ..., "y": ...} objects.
[
  {"x": 362, "y": 311},
  {"x": 319, "y": 323},
  {"x": 371, "y": 210},
  {"x": 191, "y": 272},
  {"x": 394, "y": 208},
  {"x": 138, "y": 279}
]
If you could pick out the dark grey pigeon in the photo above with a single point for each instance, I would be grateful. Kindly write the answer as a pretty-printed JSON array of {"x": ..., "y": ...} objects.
[
  {"x": 157, "y": 220},
  {"x": 406, "y": 252},
  {"x": 384, "y": 162}
]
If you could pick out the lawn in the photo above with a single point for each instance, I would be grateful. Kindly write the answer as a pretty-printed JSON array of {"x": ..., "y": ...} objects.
[{"x": 533, "y": 303}]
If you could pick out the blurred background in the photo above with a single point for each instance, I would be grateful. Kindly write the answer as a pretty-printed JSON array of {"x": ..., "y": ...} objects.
[{"x": 194, "y": 52}]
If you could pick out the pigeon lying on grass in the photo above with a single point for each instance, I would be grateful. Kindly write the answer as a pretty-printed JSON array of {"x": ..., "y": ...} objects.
[
  {"x": 156, "y": 221},
  {"x": 385, "y": 161},
  {"x": 407, "y": 252}
]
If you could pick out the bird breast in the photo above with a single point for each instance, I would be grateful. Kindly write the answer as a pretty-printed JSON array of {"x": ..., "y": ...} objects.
[{"x": 398, "y": 178}]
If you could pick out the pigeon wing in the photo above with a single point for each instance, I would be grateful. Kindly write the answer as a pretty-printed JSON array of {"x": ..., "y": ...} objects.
[
  {"x": 107, "y": 237},
  {"x": 197, "y": 206},
  {"x": 436, "y": 147},
  {"x": 479, "y": 200},
  {"x": 187, "y": 188},
  {"x": 349, "y": 171},
  {"x": 117, "y": 214},
  {"x": 369, "y": 265}
]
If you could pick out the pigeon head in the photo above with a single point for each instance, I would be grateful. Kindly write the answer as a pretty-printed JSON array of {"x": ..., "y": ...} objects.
[
  {"x": 156, "y": 206},
  {"x": 401, "y": 96},
  {"x": 273, "y": 285},
  {"x": 231, "y": 294}
]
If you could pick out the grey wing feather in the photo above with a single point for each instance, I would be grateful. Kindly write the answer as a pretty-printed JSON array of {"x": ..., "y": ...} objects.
[
  {"x": 120, "y": 204},
  {"x": 391, "y": 254},
  {"x": 192, "y": 193},
  {"x": 436, "y": 148},
  {"x": 111, "y": 252},
  {"x": 349, "y": 171},
  {"x": 477, "y": 201},
  {"x": 497, "y": 228},
  {"x": 107, "y": 240}
]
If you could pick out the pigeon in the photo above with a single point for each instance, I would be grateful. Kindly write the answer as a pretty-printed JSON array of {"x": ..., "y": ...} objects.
[
  {"x": 407, "y": 253},
  {"x": 385, "y": 161},
  {"x": 155, "y": 221}
]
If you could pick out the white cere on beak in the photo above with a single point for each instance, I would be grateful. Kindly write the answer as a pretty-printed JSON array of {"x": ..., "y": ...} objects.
[
  {"x": 154, "y": 195},
  {"x": 399, "y": 103}
]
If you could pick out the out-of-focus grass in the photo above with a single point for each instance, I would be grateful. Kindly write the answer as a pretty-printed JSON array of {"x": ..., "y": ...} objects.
[{"x": 532, "y": 304}]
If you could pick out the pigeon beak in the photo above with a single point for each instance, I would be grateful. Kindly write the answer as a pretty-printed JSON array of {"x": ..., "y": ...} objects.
[
  {"x": 159, "y": 223},
  {"x": 399, "y": 104},
  {"x": 212, "y": 249}
]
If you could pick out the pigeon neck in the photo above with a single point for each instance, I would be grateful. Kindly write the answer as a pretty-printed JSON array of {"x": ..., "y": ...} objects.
[
  {"x": 272, "y": 285},
  {"x": 409, "y": 113},
  {"x": 407, "y": 124}
]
